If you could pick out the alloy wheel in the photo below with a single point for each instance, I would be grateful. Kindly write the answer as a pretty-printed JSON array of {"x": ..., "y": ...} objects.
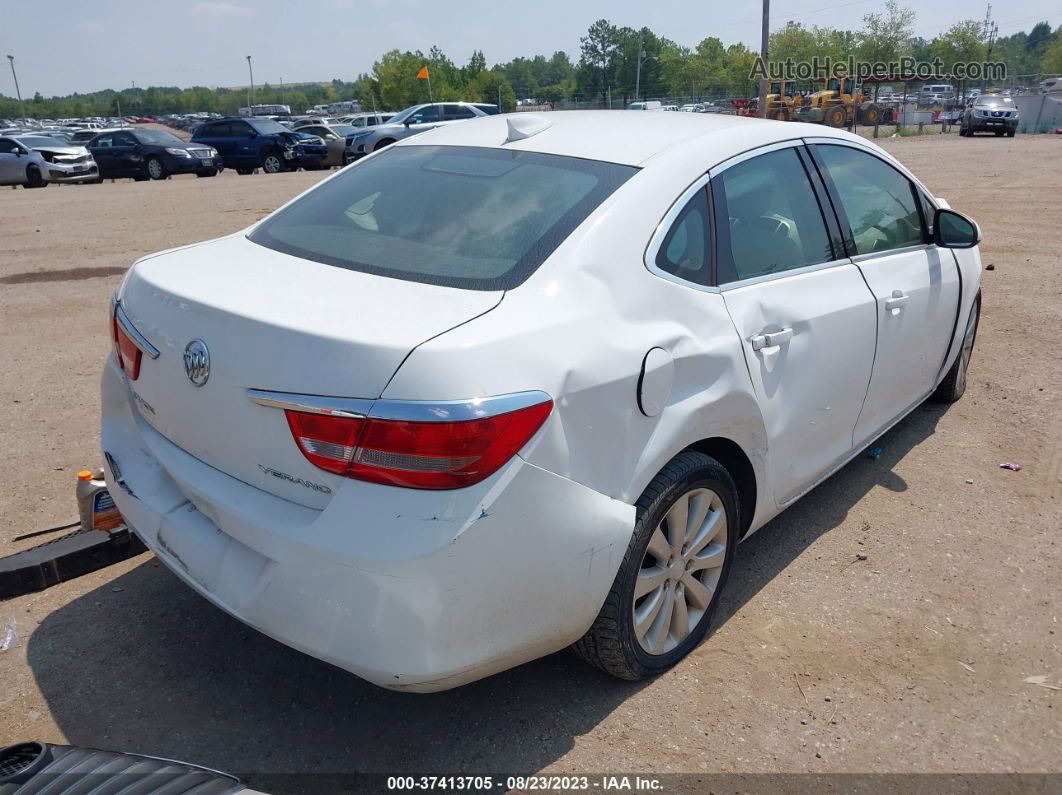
[
  {"x": 154, "y": 168},
  {"x": 272, "y": 164},
  {"x": 680, "y": 571}
]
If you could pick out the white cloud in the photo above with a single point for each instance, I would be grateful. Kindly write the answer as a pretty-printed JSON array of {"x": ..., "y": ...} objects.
[{"x": 220, "y": 8}]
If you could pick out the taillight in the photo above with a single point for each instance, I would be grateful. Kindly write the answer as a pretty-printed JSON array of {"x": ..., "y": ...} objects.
[
  {"x": 418, "y": 455},
  {"x": 125, "y": 350}
]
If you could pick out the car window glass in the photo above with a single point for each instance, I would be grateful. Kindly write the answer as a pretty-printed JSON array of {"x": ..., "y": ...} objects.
[
  {"x": 477, "y": 218},
  {"x": 359, "y": 123},
  {"x": 7, "y": 146},
  {"x": 103, "y": 142},
  {"x": 771, "y": 217},
  {"x": 684, "y": 252},
  {"x": 458, "y": 112},
  {"x": 928, "y": 211},
  {"x": 877, "y": 199},
  {"x": 124, "y": 139},
  {"x": 428, "y": 114}
]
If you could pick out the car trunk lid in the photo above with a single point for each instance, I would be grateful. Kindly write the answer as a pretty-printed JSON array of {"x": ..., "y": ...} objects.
[{"x": 275, "y": 322}]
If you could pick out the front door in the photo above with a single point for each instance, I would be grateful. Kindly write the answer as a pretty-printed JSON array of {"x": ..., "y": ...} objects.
[
  {"x": 915, "y": 284},
  {"x": 800, "y": 306}
]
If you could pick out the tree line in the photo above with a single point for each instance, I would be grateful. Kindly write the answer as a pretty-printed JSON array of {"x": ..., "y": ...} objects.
[{"x": 607, "y": 71}]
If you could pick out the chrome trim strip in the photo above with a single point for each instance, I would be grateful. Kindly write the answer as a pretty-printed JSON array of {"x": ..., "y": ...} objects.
[
  {"x": 770, "y": 277},
  {"x": 138, "y": 339},
  {"x": 311, "y": 404},
  {"x": 407, "y": 410},
  {"x": 455, "y": 410}
]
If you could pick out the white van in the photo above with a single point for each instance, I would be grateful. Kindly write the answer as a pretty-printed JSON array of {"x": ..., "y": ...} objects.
[{"x": 649, "y": 104}]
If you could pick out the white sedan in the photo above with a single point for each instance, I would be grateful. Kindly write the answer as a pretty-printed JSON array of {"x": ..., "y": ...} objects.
[{"x": 524, "y": 383}]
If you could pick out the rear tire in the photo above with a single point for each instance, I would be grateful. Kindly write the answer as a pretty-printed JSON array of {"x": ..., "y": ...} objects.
[
  {"x": 869, "y": 113},
  {"x": 954, "y": 384},
  {"x": 835, "y": 117},
  {"x": 640, "y": 630},
  {"x": 243, "y": 172},
  {"x": 206, "y": 173}
]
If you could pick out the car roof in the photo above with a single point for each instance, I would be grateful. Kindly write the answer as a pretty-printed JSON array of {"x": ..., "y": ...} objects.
[{"x": 627, "y": 138}]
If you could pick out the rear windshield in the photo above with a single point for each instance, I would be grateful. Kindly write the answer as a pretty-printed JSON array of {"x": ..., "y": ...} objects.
[{"x": 470, "y": 217}]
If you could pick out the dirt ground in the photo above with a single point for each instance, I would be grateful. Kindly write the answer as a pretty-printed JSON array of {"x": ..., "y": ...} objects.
[{"x": 910, "y": 660}]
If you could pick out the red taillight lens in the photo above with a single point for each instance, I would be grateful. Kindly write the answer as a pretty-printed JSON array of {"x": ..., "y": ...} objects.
[
  {"x": 328, "y": 442},
  {"x": 419, "y": 455},
  {"x": 127, "y": 353}
]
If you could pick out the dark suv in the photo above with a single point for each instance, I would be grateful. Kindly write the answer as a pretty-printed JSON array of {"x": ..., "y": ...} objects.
[
  {"x": 247, "y": 144},
  {"x": 989, "y": 113}
]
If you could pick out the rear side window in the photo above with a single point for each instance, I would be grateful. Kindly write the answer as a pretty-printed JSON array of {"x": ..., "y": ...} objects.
[
  {"x": 684, "y": 252},
  {"x": 469, "y": 217},
  {"x": 458, "y": 112},
  {"x": 769, "y": 219},
  {"x": 878, "y": 200}
]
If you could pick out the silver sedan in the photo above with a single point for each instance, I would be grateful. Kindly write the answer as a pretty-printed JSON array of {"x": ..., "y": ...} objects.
[
  {"x": 35, "y": 160},
  {"x": 416, "y": 119}
]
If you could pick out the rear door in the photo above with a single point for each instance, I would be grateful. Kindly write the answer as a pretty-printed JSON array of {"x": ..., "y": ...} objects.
[
  {"x": 800, "y": 306},
  {"x": 915, "y": 284}
]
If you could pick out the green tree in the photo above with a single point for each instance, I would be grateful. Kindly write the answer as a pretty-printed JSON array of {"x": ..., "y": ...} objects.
[
  {"x": 493, "y": 87},
  {"x": 887, "y": 36},
  {"x": 963, "y": 42},
  {"x": 1051, "y": 63}
]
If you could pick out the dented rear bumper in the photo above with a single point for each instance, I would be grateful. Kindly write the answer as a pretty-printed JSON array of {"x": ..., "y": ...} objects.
[{"x": 414, "y": 590}]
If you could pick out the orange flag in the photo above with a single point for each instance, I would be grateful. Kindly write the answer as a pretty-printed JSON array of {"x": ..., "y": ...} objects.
[{"x": 423, "y": 73}]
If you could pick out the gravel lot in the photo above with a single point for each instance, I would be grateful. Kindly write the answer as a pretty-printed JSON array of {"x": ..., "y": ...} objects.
[{"x": 910, "y": 660}]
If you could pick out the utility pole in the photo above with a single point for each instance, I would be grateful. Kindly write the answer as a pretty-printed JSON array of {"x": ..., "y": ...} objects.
[
  {"x": 18, "y": 92},
  {"x": 638, "y": 70},
  {"x": 991, "y": 30},
  {"x": 250, "y": 91},
  {"x": 765, "y": 35}
]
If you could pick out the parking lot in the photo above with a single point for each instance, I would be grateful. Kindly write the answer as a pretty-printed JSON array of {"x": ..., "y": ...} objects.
[{"x": 886, "y": 623}]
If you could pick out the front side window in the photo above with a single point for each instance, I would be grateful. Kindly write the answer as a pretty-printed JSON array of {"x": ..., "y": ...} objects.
[
  {"x": 769, "y": 219},
  {"x": 684, "y": 252},
  {"x": 426, "y": 115},
  {"x": 7, "y": 146},
  {"x": 878, "y": 200},
  {"x": 468, "y": 217}
]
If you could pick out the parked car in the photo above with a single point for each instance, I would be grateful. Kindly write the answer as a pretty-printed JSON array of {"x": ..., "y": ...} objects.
[
  {"x": 33, "y": 161},
  {"x": 143, "y": 154},
  {"x": 989, "y": 113},
  {"x": 298, "y": 124},
  {"x": 355, "y": 445},
  {"x": 367, "y": 119},
  {"x": 249, "y": 143},
  {"x": 336, "y": 137},
  {"x": 414, "y": 120},
  {"x": 652, "y": 104},
  {"x": 693, "y": 107}
]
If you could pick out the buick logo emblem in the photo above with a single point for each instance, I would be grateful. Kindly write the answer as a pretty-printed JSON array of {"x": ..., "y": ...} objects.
[{"x": 197, "y": 362}]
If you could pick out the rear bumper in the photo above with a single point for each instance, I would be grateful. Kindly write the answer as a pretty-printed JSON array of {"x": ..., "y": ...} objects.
[{"x": 411, "y": 590}]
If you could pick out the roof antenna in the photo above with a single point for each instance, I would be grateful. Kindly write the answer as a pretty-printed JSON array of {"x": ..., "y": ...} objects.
[{"x": 524, "y": 125}]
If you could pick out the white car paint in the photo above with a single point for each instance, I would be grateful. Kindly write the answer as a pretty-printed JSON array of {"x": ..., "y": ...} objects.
[{"x": 425, "y": 590}]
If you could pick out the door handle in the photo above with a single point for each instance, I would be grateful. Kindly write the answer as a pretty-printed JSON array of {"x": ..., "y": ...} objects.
[
  {"x": 771, "y": 339},
  {"x": 896, "y": 302}
]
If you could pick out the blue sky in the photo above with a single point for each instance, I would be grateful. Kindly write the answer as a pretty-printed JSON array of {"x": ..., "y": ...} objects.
[{"x": 86, "y": 45}]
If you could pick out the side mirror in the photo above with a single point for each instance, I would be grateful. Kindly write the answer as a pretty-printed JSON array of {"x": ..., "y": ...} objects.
[
  {"x": 408, "y": 122},
  {"x": 953, "y": 230}
]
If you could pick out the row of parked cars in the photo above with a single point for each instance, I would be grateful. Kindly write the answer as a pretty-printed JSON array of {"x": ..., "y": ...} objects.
[{"x": 92, "y": 153}]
